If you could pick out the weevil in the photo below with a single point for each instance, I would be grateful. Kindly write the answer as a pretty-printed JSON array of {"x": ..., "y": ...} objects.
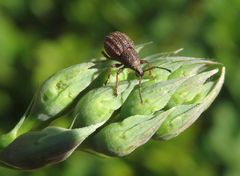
[{"x": 119, "y": 47}]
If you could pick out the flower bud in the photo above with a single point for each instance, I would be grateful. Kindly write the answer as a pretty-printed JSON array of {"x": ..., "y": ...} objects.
[
  {"x": 155, "y": 97},
  {"x": 98, "y": 104},
  {"x": 55, "y": 96},
  {"x": 122, "y": 138},
  {"x": 36, "y": 149},
  {"x": 61, "y": 89},
  {"x": 187, "y": 111}
]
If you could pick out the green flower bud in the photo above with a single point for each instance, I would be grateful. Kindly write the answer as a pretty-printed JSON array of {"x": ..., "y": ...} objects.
[
  {"x": 56, "y": 95},
  {"x": 122, "y": 138},
  {"x": 61, "y": 89},
  {"x": 190, "y": 88},
  {"x": 98, "y": 104},
  {"x": 185, "y": 115},
  {"x": 36, "y": 149},
  {"x": 155, "y": 97}
]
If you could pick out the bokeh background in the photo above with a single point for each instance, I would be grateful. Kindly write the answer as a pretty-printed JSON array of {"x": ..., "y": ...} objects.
[{"x": 39, "y": 37}]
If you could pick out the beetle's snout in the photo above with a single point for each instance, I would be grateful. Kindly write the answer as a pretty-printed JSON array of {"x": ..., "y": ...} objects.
[{"x": 139, "y": 73}]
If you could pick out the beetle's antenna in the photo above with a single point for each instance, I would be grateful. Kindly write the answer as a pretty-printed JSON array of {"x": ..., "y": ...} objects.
[
  {"x": 170, "y": 71},
  {"x": 150, "y": 68}
]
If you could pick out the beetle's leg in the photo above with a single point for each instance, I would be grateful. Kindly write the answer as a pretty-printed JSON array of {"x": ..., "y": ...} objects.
[
  {"x": 105, "y": 55},
  {"x": 116, "y": 82},
  {"x": 139, "y": 88},
  {"x": 108, "y": 76},
  {"x": 110, "y": 71}
]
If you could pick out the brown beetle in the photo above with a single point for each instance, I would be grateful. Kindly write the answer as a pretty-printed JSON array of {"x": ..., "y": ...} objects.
[{"x": 120, "y": 47}]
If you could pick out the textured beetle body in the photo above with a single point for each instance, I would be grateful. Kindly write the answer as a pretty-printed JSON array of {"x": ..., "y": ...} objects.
[{"x": 120, "y": 47}]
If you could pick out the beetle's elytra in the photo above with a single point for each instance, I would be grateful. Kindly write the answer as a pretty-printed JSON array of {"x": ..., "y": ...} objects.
[{"x": 118, "y": 46}]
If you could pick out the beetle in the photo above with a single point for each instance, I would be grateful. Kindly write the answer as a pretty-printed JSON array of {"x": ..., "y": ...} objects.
[{"x": 119, "y": 47}]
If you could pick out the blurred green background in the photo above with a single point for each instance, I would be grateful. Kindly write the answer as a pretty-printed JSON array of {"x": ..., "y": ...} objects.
[{"x": 39, "y": 37}]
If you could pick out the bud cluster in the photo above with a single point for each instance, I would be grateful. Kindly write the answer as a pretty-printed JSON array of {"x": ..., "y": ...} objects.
[{"x": 108, "y": 124}]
